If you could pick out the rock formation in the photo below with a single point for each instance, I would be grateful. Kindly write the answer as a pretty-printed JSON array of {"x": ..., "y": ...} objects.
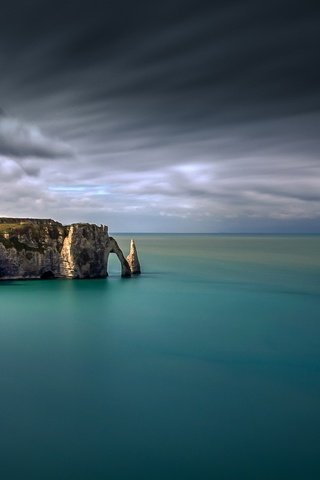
[
  {"x": 133, "y": 259},
  {"x": 34, "y": 248}
]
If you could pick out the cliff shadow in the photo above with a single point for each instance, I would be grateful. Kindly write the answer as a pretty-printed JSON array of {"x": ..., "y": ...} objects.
[{"x": 48, "y": 275}]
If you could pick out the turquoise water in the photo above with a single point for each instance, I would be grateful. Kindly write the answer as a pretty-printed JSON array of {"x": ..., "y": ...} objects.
[{"x": 205, "y": 367}]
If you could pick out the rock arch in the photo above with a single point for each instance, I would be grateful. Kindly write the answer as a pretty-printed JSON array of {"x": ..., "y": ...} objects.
[{"x": 113, "y": 247}]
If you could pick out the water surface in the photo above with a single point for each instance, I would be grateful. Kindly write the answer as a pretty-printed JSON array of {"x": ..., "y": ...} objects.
[{"x": 207, "y": 366}]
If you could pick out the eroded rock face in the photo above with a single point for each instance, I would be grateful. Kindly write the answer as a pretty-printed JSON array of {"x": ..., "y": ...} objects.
[
  {"x": 133, "y": 259},
  {"x": 83, "y": 251},
  {"x": 31, "y": 248}
]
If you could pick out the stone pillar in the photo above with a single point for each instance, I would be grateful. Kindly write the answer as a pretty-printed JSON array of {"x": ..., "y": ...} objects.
[{"x": 133, "y": 259}]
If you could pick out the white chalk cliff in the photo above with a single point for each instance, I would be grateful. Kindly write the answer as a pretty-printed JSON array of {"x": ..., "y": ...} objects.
[{"x": 35, "y": 248}]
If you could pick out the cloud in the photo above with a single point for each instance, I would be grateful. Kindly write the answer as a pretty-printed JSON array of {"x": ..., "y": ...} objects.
[
  {"x": 190, "y": 114},
  {"x": 20, "y": 140}
]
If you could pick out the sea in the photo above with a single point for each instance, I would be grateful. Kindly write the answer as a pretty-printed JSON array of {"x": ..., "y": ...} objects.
[{"x": 205, "y": 367}]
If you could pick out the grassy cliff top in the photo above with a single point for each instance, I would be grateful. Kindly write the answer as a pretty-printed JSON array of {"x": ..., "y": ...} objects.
[
  {"x": 29, "y": 233},
  {"x": 19, "y": 221},
  {"x": 17, "y": 225},
  {"x": 11, "y": 227}
]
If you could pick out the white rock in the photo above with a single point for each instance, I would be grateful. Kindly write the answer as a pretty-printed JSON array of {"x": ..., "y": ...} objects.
[{"x": 133, "y": 259}]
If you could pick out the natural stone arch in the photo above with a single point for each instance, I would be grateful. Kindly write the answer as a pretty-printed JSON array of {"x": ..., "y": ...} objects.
[{"x": 113, "y": 247}]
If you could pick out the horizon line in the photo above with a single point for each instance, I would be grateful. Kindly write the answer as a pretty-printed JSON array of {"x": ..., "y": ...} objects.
[{"x": 215, "y": 233}]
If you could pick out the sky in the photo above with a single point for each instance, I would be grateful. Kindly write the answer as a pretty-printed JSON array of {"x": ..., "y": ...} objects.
[{"x": 171, "y": 116}]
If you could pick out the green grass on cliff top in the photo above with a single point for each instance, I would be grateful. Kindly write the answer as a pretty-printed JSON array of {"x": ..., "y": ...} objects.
[
  {"x": 14, "y": 229},
  {"x": 8, "y": 227}
]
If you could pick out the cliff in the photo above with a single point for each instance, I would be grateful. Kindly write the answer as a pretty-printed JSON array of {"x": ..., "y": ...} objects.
[{"x": 36, "y": 248}]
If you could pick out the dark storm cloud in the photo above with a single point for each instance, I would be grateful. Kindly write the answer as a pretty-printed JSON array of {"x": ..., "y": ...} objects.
[
  {"x": 204, "y": 110},
  {"x": 19, "y": 140},
  {"x": 224, "y": 54}
]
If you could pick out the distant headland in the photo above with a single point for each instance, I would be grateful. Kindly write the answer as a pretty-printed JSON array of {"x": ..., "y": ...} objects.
[{"x": 43, "y": 248}]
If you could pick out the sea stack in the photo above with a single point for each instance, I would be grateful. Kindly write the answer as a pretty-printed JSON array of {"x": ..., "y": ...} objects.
[{"x": 133, "y": 259}]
